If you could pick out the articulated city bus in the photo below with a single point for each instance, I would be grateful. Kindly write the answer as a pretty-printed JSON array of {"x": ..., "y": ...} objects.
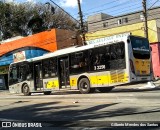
[{"x": 102, "y": 64}]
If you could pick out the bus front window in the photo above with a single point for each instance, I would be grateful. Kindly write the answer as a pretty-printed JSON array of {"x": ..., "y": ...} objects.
[
  {"x": 13, "y": 75},
  {"x": 140, "y": 47}
]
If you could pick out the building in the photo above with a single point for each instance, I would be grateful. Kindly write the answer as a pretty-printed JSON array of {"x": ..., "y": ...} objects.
[
  {"x": 21, "y": 48},
  {"x": 101, "y": 25},
  {"x": 103, "y": 21}
]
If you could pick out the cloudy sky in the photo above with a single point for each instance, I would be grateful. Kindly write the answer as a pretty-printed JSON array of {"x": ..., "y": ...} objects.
[{"x": 90, "y": 7}]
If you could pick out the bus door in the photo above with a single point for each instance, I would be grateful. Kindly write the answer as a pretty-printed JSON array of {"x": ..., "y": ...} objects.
[
  {"x": 64, "y": 72},
  {"x": 38, "y": 81}
]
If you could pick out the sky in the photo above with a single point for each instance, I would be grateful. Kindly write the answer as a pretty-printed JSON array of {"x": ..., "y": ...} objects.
[{"x": 91, "y": 7}]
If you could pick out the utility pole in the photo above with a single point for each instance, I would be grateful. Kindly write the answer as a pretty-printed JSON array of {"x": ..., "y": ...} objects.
[
  {"x": 145, "y": 18},
  {"x": 81, "y": 23}
]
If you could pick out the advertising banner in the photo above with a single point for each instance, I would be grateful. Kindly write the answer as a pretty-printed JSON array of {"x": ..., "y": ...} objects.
[{"x": 19, "y": 56}]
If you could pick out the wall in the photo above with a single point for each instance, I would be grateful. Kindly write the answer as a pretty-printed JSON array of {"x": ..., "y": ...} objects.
[
  {"x": 156, "y": 59},
  {"x": 135, "y": 29},
  {"x": 67, "y": 38},
  {"x": 96, "y": 25}
]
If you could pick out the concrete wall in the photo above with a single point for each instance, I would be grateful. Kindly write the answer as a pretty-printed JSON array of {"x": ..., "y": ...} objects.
[
  {"x": 97, "y": 23},
  {"x": 156, "y": 59},
  {"x": 135, "y": 29}
]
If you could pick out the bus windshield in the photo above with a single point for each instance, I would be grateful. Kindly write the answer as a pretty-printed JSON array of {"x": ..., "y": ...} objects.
[{"x": 140, "y": 47}]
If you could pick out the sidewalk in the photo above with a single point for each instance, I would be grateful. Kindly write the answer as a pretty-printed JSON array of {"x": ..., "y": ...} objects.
[{"x": 153, "y": 85}]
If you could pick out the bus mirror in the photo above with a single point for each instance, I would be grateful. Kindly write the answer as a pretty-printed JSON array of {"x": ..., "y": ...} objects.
[{"x": 128, "y": 41}]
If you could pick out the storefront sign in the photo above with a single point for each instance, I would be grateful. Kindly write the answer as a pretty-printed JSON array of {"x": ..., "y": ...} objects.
[
  {"x": 19, "y": 56},
  {"x": 109, "y": 39}
]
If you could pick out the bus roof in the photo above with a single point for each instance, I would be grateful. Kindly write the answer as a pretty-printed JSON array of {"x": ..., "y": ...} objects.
[
  {"x": 91, "y": 44},
  {"x": 96, "y": 43}
]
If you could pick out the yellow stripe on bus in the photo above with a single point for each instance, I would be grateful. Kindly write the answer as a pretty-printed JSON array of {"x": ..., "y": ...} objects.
[
  {"x": 52, "y": 84},
  {"x": 73, "y": 82},
  {"x": 94, "y": 80}
]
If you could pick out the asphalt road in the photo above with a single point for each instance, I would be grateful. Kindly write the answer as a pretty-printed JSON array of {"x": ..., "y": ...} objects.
[{"x": 74, "y": 109}]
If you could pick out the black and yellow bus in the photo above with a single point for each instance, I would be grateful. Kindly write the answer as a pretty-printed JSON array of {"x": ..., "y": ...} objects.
[{"x": 102, "y": 64}]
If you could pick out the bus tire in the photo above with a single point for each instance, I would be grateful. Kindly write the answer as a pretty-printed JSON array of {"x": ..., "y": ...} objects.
[
  {"x": 105, "y": 89},
  {"x": 84, "y": 86},
  {"x": 47, "y": 93},
  {"x": 26, "y": 90}
]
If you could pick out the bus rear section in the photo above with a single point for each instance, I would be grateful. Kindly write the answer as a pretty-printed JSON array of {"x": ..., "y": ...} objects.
[
  {"x": 140, "y": 60},
  {"x": 103, "y": 67}
]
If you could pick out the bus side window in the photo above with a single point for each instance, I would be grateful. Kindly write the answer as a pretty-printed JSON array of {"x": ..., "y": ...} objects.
[
  {"x": 53, "y": 67},
  {"x": 117, "y": 52},
  {"x": 49, "y": 68},
  {"x": 79, "y": 62},
  {"x": 94, "y": 58},
  {"x": 113, "y": 52},
  {"x": 29, "y": 71},
  {"x": 121, "y": 55},
  {"x": 122, "y": 47},
  {"x": 46, "y": 68},
  {"x": 99, "y": 59},
  {"x": 107, "y": 54}
]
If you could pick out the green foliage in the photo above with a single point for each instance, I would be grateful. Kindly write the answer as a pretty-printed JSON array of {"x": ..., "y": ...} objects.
[{"x": 27, "y": 18}]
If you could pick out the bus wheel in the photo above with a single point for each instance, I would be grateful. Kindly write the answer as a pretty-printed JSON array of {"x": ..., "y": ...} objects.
[
  {"x": 84, "y": 86},
  {"x": 47, "y": 93},
  {"x": 26, "y": 90},
  {"x": 105, "y": 89}
]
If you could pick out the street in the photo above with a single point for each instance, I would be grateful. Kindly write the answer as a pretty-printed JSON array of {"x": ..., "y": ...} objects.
[{"x": 71, "y": 106}]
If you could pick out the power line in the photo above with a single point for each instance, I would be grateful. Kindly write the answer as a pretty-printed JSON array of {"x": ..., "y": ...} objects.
[
  {"x": 98, "y": 6},
  {"x": 153, "y": 4},
  {"x": 67, "y": 38},
  {"x": 89, "y": 14},
  {"x": 3, "y": 23},
  {"x": 64, "y": 11},
  {"x": 121, "y": 9},
  {"x": 108, "y": 3},
  {"x": 153, "y": 17},
  {"x": 48, "y": 41},
  {"x": 115, "y": 23},
  {"x": 109, "y": 18},
  {"x": 111, "y": 7},
  {"x": 115, "y": 6}
]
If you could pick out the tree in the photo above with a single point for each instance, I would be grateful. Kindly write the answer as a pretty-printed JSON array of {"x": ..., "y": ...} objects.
[{"x": 28, "y": 18}]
